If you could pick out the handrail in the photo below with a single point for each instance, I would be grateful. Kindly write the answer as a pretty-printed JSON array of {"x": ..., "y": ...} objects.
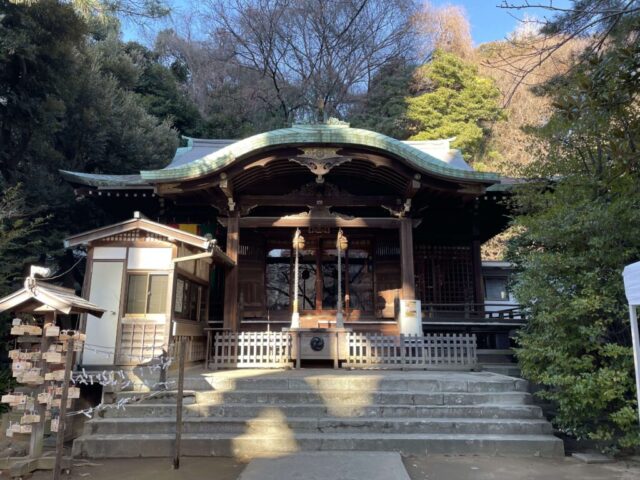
[{"x": 473, "y": 311}]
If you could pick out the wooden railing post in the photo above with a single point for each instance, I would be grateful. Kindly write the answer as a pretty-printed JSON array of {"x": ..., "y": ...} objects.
[
  {"x": 62, "y": 420},
  {"x": 178, "y": 440}
]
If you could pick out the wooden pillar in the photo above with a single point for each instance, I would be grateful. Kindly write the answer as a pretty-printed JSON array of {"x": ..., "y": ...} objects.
[
  {"x": 477, "y": 272},
  {"x": 406, "y": 259},
  {"x": 476, "y": 256},
  {"x": 231, "y": 276}
]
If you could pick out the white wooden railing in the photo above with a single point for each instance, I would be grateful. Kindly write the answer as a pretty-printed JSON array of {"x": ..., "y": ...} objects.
[
  {"x": 251, "y": 350},
  {"x": 363, "y": 350},
  {"x": 433, "y": 351}
]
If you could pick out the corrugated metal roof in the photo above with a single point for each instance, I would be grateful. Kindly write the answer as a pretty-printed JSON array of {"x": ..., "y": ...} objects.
[
  {"x": 60, "y": 299},
  {"x": 197, "y": 148}
]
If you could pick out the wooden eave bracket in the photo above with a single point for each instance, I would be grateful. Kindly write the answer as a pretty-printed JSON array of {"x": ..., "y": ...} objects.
[
  {"x": 227, "y": 188},
  {"x": 413, "y": 186}
]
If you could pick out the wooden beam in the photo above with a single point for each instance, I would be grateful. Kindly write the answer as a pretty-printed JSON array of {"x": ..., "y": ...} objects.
[
  {"x": 216, "y": 256},
  {"x": 173, "y": 234},
  {"x": 206, "y": 257},
  {"x": 167, "y": 189},
  {"x": 380, "y": 161},
  {"x": 406, "y": 259},
  {"x": 261, "y": 160},
  {"x": 231, "y": 277},
  {"x": 332, "y": 200},
  {"x": 303, "y": 221}
]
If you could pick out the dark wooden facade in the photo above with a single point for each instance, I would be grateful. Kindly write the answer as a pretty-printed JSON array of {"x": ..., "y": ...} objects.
[{"x": 414, "y": 230}]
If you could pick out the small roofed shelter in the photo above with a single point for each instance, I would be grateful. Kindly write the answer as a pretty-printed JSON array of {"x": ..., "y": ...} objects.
[
  {"x": 153, "y": 280},
  {"x": 40, "y": 297}
]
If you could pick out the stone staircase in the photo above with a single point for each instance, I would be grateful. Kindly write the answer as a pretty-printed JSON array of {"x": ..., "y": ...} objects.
[{"x": 262, "y": 413}]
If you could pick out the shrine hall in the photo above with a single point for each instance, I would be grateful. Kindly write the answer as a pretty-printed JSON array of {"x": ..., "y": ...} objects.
[{"x": 310, "y": 227}]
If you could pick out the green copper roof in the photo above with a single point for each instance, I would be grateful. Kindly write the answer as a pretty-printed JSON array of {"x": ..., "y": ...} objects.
[
  {"x": 103, "y": 180},
  {"x": 300, "y": 135}
]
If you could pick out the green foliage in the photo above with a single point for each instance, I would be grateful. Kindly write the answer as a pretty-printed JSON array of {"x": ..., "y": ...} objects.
[
  {"x": 7, "y": 383},
  {"x": 576, "y": 236},
  {"x": 18, "y": 229},
  {"x": 68, "y": 101},
  {"x": 576, "y": 344},
  {"x": 106, "y": 10},
  {"x": 454, "y": 101},
  {"x": 384, "y": 109},
  {"x": 160, "y": 91}
]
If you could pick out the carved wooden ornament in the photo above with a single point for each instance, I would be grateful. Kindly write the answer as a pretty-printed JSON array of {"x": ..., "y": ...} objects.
[{"x": 320, "y": 161}]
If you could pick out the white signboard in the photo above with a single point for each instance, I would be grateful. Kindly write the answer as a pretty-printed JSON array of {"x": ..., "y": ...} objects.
[
  {"x": 410, "y": 317},
  {"x": 631, "y": 275}
]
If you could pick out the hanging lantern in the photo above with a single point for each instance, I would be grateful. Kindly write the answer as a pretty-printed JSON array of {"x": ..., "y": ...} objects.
[
  {"x": 341, "y": 243},
  {"x": 298, "y": 241}
]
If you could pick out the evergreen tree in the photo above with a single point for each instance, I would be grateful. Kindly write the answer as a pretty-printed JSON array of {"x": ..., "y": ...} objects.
[
  {"x": 66, "y": 103},
  {"x": 577, "y": 233},
  {"x": 384, "y": 107},
  {"x": 18, "y": 233},
  {"x": 453, "y": 100}
]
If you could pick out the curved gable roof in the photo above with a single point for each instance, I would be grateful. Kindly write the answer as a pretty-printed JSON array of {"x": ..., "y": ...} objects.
[{"x": 300, "y": 135}]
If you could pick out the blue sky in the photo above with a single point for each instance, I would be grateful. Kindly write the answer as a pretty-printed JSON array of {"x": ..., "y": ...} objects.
[{"x": 488, "y": 21}]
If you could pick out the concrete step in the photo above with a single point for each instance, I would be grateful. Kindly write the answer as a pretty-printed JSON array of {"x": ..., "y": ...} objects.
[
  {"x": 510, "y": 369},
  {"x": 251, "y": 446},
  {"x": 275, "y": 425},
  {"x": 378, "y": 382},
  {"x": 332, "y": 397},
  {"x": 254, "y": 413},
  {"x": 253, "y": 410}
]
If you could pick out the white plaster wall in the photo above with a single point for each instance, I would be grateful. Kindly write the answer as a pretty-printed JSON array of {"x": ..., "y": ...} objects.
[
  {"x": 149, "y": 258},
  {"x": 109, "y": 253},
  {"x": 105, "y": 291}
]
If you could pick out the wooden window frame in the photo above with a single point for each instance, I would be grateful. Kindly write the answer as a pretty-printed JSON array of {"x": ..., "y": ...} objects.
[
  {"x": 145, "y": 316},
  {"x": 202, "y": 296}
]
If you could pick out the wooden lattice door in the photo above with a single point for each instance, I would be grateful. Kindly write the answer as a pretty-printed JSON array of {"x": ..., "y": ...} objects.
[
  {"x": 251, "y": 283},
  {"x": 445, "y": 274}
]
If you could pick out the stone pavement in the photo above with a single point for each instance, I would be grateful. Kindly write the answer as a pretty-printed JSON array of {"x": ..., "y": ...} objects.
[
  {"x": 432, "y": 467},
  {"x": 444, "y": 467},
  {"x": 328, "y": 466}
]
